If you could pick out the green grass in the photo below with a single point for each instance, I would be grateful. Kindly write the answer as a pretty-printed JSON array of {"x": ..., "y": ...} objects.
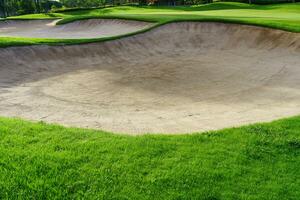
[
  {"x": 279, "y": 16},
  {"x": 40, "y": 161}
]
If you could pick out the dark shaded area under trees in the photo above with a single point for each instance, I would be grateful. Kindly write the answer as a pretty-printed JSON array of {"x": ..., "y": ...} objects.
[{"x": 19, "y": 7}]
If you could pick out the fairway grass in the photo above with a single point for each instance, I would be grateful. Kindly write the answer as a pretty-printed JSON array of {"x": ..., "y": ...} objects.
[
  {"x": 280, "y": 16},
  {"x": 41, "y": 161}
]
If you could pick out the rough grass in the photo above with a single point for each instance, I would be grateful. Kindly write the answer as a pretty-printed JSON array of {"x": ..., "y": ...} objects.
[
  {"x": 279, "y": 16},
  {"x": 40, "y": 161}
]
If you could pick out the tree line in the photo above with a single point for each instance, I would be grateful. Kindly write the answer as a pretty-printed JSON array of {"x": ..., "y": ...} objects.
[{"x": 19, "y": 7}]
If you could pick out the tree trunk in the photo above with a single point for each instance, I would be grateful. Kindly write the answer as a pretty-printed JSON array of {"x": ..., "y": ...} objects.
[
  {"x": 3, "y": 8},
  {"x": 38, "y": 6}
]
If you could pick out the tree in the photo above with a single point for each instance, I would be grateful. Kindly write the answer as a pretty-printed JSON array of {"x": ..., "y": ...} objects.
[
  {"x": 2, "y": 8},
  {"x": 37, "y": 5}
]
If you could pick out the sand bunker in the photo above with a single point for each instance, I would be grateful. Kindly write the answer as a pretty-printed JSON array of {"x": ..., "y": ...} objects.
[
  {"x": 178, "y": 78},
  {"x": 92, "y": 28}
]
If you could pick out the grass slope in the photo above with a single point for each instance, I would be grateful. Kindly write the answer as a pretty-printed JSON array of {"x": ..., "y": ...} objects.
[
  {"x": 40, "y": 161},
  {"x": 279, "y": 16}
]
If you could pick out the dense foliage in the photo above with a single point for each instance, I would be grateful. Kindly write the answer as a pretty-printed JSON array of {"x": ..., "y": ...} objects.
[{"x": 19, "y": 7}]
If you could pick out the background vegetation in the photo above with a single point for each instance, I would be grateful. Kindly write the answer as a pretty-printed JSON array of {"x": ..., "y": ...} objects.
[{"x": 19, "y": 7}]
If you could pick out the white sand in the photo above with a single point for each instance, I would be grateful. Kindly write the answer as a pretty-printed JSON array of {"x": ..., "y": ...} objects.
[{"x": 178, "y": 78}]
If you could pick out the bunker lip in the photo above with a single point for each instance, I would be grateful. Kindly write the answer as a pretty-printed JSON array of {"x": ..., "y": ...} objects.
[
  {"x": 81, "y": 29},
  {"x": 178, "y": 78}
]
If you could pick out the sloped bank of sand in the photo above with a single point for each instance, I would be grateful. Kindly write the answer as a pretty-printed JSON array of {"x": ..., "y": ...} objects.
[
  {"x": 178, "y": 78},
  {"x": 90, "y": 28}
]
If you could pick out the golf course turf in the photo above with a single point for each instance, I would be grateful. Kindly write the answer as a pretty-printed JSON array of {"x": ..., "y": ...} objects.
[
  {"x": 47, "y": 161},
  {"x": 40, "y": 161},
  {"x": 278, "y": 16}
]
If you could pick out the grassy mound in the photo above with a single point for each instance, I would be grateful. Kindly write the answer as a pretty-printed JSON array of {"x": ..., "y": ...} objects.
[
  {"x": 279, "y": 16},
  {"x": 39, "y": 161}
]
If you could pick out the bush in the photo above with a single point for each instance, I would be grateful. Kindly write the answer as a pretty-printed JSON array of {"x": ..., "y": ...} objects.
[{"x": 21, "y": 12}]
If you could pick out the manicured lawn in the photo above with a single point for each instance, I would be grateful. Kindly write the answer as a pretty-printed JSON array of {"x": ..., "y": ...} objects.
[
  {"x": 280, "y": 16},
  {"x": 40, "y": 161}
]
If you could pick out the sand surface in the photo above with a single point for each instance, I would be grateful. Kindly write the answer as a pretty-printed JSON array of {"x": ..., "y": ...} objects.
[
  {"x": 91, "y": 28},
  {"x": 178, "y": 78}
]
